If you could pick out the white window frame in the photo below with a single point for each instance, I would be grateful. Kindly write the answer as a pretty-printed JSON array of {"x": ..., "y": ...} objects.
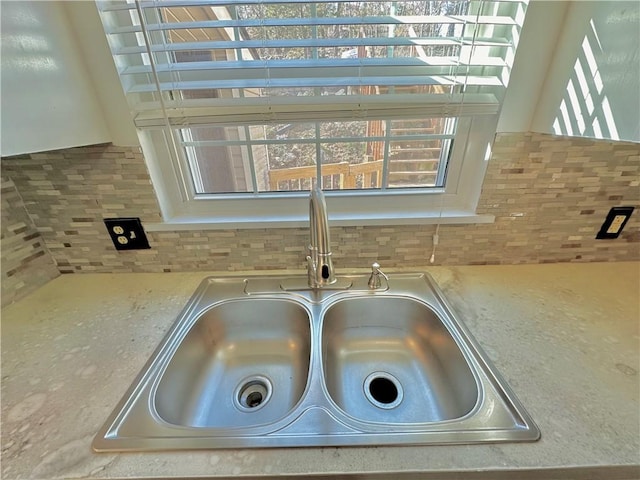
[{"x": 456, "y": 202}]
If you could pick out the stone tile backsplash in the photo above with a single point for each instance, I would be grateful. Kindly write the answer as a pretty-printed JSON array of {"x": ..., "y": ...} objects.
[
  {"x": 26, "y": 262},
  {"x": 549, "y": 196}
]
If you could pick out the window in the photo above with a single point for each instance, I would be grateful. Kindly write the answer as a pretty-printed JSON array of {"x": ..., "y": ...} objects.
[{"x": 390, "y": 105}]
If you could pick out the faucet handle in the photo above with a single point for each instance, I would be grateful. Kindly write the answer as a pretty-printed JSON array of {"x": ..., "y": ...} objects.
[{"x": 374, "y": 279}]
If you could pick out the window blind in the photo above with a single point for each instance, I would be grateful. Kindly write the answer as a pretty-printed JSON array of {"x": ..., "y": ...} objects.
[{"x": 195, "y": 62}]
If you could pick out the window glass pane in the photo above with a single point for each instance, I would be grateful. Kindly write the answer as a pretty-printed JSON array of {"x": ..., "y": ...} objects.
[
  {"x": 352, "y": 155},
  {"x": 414, "y": 163},
  {"x": 338, "y": 162},
  {"x": 217, "y": 169},
  {"x": 423, "y": 126},
  {"x": 291, "y": 163},
  {"x": 292, "y": 166},
  {"x": 353, "y": 129},
  {"x": 291, "y": 131},
  {"x": 215, "y": 165}
]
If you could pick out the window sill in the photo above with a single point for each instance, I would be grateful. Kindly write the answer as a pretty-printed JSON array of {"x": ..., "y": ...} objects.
[{"x": 186, "y": 223}]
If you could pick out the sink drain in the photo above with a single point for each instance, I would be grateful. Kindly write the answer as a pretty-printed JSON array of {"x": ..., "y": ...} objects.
[
  {"x": 253, "y": 393},
  {"x": 383, "y": 390}
]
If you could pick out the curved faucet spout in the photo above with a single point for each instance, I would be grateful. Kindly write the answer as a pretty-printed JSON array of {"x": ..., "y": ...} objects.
[{"x": 319, "y": 264}]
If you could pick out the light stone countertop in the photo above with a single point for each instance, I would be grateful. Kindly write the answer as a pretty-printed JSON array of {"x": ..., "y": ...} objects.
[{"x": 564, "y": 336}]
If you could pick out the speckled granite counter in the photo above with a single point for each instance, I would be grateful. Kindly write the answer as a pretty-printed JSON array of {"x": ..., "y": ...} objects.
[{"x": 565, "y": 336}]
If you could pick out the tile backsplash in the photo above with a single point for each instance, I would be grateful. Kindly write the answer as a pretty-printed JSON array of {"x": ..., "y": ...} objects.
[
  {"x": 549, "y": 195},
  {"x": 26, "y": 262}
]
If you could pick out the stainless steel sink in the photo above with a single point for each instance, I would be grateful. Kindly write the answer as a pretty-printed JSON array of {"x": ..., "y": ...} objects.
[
  {"x": 259, "y": 349},
  {"x": 391, "y": 360},
  {"x": 268, "y": 361}
]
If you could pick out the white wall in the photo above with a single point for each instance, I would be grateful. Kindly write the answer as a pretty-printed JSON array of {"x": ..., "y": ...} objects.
[
  {"x": 48, "y": 100},
  {"x": 593, "y": 85},
  {"x": 542, "y": 28},
  {"x": 85, "y": 22}
]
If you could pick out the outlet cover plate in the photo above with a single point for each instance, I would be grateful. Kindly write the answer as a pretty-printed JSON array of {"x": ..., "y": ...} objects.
[
  {"x": 127, "y": 233},
  {"x": 616, "y": 219}
]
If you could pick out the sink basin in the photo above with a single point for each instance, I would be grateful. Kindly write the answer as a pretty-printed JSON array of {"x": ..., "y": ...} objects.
[
  {"x": 392, "y": 360},
  {"x": 268, "y": 362},
  {"x": 242, "y": 363}
]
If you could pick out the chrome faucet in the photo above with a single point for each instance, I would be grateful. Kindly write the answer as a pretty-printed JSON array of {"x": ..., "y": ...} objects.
[{"x": 319, "y": 266}]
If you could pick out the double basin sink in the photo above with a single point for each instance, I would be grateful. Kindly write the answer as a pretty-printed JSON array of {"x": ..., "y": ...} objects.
[{"x": 270, "y": 362}]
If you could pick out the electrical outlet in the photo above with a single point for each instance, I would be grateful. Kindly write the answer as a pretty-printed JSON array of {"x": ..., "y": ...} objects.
[
  {"x": 126, "y": 233},
  {"x": 615, "y": 222}
]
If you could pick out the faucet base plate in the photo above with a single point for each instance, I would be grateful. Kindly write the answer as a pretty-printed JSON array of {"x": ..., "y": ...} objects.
[{"x": 298, "y": 284}]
